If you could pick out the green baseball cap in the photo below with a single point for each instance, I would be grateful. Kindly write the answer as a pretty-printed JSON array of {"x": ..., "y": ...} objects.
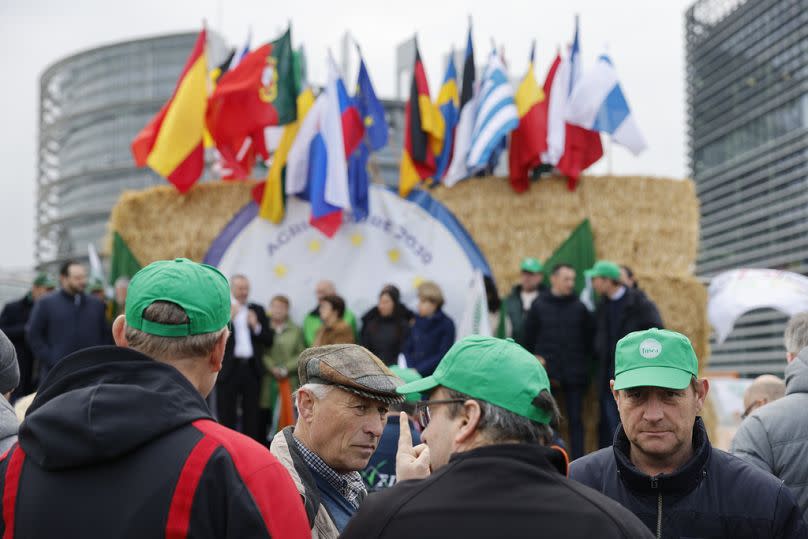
[
  {"x": 654, "y": 357},
  {"x": 497, "y": 371},
  {"x": 604, "y": 268},
  {"x": 408, "y": 375},
  {"x": 43, "y": 279},
  {"x": 531, "y": 265},
  {"x": 96, "y": 285},
  {"x": 201, "y": 290}
]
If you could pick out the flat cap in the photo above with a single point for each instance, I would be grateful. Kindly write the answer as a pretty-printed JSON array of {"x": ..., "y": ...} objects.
[{"x": 352, "y": 368}]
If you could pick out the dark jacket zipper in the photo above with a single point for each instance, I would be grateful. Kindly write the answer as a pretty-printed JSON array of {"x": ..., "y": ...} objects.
[{"x": 655, "y": 485}]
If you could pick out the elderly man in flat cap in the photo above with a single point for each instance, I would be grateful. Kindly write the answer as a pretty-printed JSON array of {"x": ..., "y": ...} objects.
[{"x": 343, "y": 401}]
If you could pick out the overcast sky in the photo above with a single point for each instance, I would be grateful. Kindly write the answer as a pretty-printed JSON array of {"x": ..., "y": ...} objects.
[{"x": 645, "y": 40}]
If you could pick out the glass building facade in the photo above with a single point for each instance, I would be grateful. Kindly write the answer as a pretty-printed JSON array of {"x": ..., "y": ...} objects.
[
  {"x": 747, "y": 101},
  {"x": 92, "y": 104}
]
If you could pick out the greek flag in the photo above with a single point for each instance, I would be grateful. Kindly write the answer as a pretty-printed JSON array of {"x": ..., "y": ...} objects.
[{"x": 496, "y": 114}]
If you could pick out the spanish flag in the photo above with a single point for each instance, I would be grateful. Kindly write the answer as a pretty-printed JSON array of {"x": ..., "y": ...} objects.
[
  {"x": 529, "y": 139},
  {"x": 273, "y": 201},
  {"x": 423, "y": 132},
  {"x": 171, "y": 144}
]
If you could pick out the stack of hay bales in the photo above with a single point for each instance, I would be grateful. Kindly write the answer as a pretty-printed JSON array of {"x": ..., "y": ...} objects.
[{"x": 649, "y": 224}]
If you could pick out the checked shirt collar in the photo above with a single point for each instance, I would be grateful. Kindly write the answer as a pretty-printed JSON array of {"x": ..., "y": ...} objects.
[{"x": 349, "y": 485}]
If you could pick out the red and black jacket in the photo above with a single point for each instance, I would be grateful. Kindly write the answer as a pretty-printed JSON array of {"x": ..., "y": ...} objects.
[{"x": 118, "y": 445}]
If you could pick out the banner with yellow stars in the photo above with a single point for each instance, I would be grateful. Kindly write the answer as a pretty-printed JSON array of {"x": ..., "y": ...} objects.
[{"x": 403, "y": 242}]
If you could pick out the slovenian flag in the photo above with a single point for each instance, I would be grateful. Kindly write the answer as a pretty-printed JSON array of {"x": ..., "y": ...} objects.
[{"x": 598, "y": 103}]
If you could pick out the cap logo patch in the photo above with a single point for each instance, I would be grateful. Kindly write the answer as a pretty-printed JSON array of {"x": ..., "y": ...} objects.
[{"x": 650, "y": 348}]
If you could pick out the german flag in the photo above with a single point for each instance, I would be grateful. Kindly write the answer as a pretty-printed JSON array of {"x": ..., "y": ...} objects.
[
  {"x": 423, "y": 126},
  {"x": 171, "y": 144}
]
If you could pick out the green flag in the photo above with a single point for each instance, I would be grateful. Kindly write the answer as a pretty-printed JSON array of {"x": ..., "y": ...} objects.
[
  {"x": 578, "y": 250},
  {"x": 122, "y": 262}
]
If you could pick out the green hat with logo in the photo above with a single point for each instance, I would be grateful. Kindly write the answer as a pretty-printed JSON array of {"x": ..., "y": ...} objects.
[
  {"x": 497, "y": 371},
  {"x": 604, "y": 268},
  {"x": 200, "y": 290},
  {"x": 96, "y": 285},
  {"x": 408, "y": 375},
  {"x": 45, "y": 280},
  {"x": 531, "y": 265},
  {"x": 654, "y": 357}
]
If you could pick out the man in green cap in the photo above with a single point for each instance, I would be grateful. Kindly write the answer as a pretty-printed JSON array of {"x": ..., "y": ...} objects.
[
  {"x": 662, "y": 466},
  {"x": 485, "y": 469},
  {"x": 120, "y": 442},
  {"x": 13, "y": 320},
  {"x": 518, "y": 302},
  {"x": 620, "y": 311}
]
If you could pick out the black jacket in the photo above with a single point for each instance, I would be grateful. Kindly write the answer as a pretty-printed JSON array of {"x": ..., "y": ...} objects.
[
  {"x": 714, "y": 495},
  {"x": 385, "y": 335},
  {"x": 260, "y": 342},
  {"x": 560, "y": 329},
  {"x": 61, "y": 324},
  {"x": 499, "y": 491},
  {"x": 13, "y": 320},
  {"x": 637, "y": 313},
  {"x": 512, "y": 304},
  {"x": 110, "y": 441}
]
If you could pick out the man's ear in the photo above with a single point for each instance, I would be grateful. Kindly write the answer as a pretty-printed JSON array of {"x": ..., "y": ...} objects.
[
  {"x": 702, "y": 388},
  {"x": 469, "y": 418},
  {"x": 305, "y": 404},
  {"x": 119, "y": 331},
  {"x": 615, "y": 393},
  {"x": 217, "y": 354}
]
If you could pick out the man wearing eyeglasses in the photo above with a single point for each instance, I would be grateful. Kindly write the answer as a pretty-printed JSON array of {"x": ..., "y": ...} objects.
[
  {"x": 342, "y": 402},
  {"x": 662, "y": 466},
  {"x": 775, "y": 437},
  {"x": 485, "y": 469}
]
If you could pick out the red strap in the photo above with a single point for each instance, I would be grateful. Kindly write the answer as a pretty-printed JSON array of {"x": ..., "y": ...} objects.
[
  {"x": 179, "y": 514},
  {"x": 13, "y": 472}
]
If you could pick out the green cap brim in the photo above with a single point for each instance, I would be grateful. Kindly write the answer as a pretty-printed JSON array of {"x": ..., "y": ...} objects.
[
  {"x": 667, "y": 377},
  {"x": 589, "y": 273},
  {"x": 418, "y": 386}
]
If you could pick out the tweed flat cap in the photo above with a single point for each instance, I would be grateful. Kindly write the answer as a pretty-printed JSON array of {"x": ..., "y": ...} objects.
[{"x": 352, "y": 368}]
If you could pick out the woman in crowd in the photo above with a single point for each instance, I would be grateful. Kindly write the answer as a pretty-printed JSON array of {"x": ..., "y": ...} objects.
[
  {"x": 385, "y": 327},
  {"x": 334, "y": 329},
  {"x": 432, "y": 334}
]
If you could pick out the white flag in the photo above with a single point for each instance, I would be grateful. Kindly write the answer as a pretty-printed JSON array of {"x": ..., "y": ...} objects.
[{"x": 475, "y": 316}]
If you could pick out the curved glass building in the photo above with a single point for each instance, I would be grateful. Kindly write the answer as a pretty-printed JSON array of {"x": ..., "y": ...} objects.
[{"x": 92, "y": 104}]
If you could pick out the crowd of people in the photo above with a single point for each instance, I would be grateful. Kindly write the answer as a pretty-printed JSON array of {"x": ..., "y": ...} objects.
[{"x": 154, "y": 415}]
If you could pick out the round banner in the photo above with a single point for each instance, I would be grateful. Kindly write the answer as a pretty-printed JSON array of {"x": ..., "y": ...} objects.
[{"x": 403, "y": 242}]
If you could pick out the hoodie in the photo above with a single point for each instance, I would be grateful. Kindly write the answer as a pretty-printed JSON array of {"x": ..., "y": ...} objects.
[{"x": 116, "y": 444}]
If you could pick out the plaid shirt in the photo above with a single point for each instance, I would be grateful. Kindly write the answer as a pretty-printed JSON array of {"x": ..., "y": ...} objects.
[{"x": 349, "y": 485}]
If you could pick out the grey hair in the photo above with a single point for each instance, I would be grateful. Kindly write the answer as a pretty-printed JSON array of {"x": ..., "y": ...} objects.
[
  {"x": 167, "y": 348},
  {"x": 796, "y": 335},
  {"x": 121, "y": 281},
  {"x": 501, "y": 425},
  {"x": 237, "y": 276},
  {"x": 320, "y": 391}
]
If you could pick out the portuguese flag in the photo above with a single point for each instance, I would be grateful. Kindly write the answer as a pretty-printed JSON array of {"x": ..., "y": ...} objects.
[{"x": 258, "y": 93}]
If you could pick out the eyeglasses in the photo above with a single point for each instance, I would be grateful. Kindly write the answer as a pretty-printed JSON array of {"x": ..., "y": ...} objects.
[
  {"x": 752, "y": 407},
  {"x": 422, "y": 409}
]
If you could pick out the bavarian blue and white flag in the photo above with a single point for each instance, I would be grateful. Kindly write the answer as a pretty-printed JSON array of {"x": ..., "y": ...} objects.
[
  {"x": 599, "y": 104},
  {"x": 496, "y": 114}
]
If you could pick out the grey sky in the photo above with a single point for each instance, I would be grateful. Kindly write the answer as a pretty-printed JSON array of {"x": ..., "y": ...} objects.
[{"x": 644, "y": 39}]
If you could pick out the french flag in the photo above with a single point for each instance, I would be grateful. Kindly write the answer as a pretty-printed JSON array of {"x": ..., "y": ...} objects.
[{"x": 332, "y": 130}]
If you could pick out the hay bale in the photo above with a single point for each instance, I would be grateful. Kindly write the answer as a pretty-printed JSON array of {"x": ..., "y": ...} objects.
[
  {"x": 160, "y": 223},
  {"x": 630, "y": 218}
]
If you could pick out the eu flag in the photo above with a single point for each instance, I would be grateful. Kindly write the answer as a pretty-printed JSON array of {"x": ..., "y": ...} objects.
[{"x": 371, "y": 110}]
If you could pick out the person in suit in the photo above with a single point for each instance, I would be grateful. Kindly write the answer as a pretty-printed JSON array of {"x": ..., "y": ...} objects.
[{"x": 239, "y": 382}]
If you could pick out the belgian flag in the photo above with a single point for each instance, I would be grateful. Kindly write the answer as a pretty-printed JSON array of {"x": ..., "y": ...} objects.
[
  {"x": 423, "y": 124},
  {"x": 529, "y": 139}
]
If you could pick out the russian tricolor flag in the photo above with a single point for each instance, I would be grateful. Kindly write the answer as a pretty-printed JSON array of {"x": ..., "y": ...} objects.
[
  {"x": 598, "y": 103},
  {"x": 317, "y": 167}
]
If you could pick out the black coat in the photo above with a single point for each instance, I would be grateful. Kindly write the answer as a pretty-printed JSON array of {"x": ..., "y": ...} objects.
[
  {"x": 560, "y": 329},
  {"x": 106, "y": 441},
  {"x": 638, "y": 313},
  {"x": 260, "y": 342},
  {"x": 500, "y": 491},
  {"x": 61, "y": 324},
  {"x": 713, "y": 495},
  {"x": 384, "y": 335}
]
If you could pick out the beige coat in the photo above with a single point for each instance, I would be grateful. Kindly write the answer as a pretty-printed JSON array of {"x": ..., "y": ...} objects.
[{"x": 324, "y": 527}]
